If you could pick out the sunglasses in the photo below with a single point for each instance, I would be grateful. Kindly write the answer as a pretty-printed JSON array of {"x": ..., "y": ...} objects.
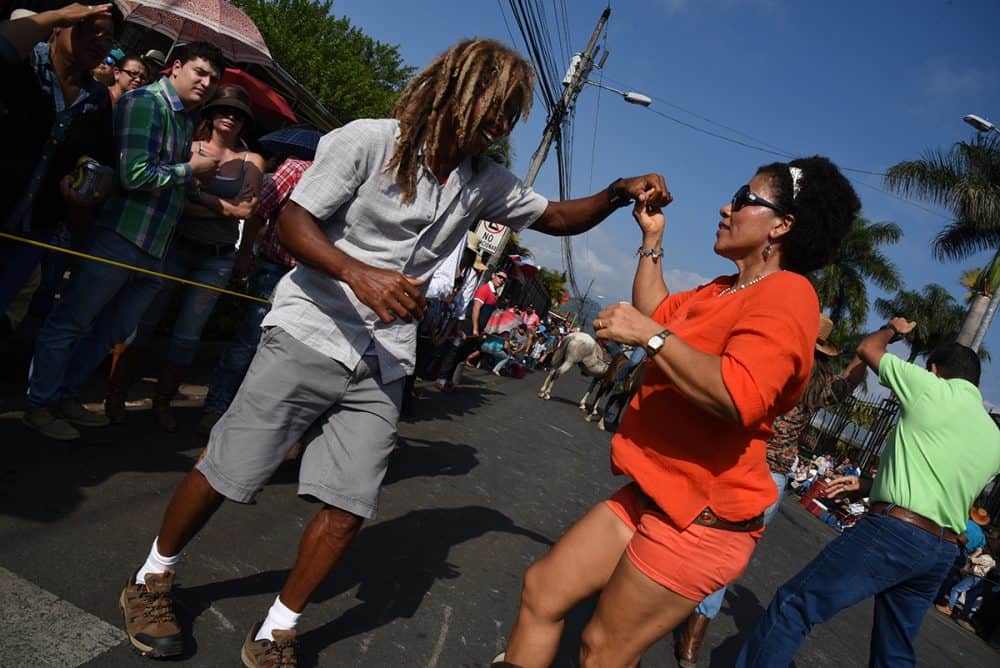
[
  {"x": 134, "y": 74},
  {"x": 500, "y": 276},
  {"x": 746, "y": 197},
  {"x": 229, "y": 112}
]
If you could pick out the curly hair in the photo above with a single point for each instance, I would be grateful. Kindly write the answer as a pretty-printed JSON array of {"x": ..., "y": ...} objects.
[
  {"x": 824, "y": 209},
  {"x": 442, "y": 98}
]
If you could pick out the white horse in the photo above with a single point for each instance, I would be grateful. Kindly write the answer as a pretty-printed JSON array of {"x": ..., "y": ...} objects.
[{"x": 577, "y": 348}]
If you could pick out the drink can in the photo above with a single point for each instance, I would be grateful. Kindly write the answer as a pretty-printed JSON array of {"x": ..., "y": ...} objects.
[{"x": 88, "y": 176}]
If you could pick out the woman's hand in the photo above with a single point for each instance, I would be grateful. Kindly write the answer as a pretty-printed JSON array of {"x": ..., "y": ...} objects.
[
  {"x": 625, "y": 324},
  {"x": 650, "y": 218}
]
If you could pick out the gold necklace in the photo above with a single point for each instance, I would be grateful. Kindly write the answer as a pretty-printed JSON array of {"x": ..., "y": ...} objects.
[{"x": 742, "y": 286}]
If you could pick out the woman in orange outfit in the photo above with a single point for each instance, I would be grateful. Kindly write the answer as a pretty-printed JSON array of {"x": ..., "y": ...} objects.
[{"x": 725, "y": 360}]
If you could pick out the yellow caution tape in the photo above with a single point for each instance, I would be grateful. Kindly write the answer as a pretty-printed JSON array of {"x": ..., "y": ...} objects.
[{"x": 86, "y": 256}]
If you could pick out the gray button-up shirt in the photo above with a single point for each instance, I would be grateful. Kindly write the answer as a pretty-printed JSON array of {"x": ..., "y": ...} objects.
[{"x": 361, "y": 211}]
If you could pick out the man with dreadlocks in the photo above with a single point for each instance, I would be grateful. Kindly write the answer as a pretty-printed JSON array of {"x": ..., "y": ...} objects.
[{"x": 384, "y": 202}]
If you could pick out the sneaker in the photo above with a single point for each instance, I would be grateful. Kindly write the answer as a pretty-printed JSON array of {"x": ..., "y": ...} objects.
[
  {"x": 45, "y": 421},
  {"x": 276, "y": 653},
  {"x": 150, "y": 623},
  {"x": 73, "y": 411}
]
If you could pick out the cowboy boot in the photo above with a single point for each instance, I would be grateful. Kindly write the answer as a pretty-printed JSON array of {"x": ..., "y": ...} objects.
[
  {"x": 166, "y": 388},
  {"x": 686, "y": 651},
  {"x": 124, "y": 362}
]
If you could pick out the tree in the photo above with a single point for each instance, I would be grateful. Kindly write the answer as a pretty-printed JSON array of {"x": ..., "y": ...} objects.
[
  {"x": 353, "y": 75},
  {"x": 555, "y": 284},
  {"x": 966, "y": 180},
  {"x": 842, "y": 284},
  {"x": 937, "y": 314}
]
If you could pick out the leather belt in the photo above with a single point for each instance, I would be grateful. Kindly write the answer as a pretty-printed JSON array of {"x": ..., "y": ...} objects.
[
  {"x": 707, "y": 518},
  {"x": 212, "y": 250},
  {"x": 910, "y": 517}
]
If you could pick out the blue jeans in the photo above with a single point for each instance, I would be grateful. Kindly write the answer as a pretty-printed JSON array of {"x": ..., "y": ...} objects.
[
  {"x": 713, "y": 602},
  {"x": 18, "y": 261},
  {"x": 101, "y": 306},
  {"x": 899, "y": 564},
  {"x": 964, "y": 585},
  {"x": 235, "y": 360},
  {"x": 195, "y": 263}
]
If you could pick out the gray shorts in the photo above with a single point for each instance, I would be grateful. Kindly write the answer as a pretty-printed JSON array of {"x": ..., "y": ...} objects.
[{"x": 346, "y": 421}]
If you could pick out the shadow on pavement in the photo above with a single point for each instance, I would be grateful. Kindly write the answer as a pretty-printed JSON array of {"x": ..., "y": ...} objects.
[
  {"x": 393, "y": 563},
  {"x": 419, "y": 458},
  {"x": 434, "y": 404},
  {"x": 745, "y": 609}
]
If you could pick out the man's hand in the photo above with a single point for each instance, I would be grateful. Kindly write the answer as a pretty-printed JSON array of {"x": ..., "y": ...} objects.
[
  {"x": 203, "y": 161},
  {"x": 74, "y": 199},
  {"x": 75, "y": 13},
  {"x": 902, "y": 325},
  {"x": 389, "y": 293},
  {"x": 842, "y": 485},
  {"x": 649, "y": 189}
]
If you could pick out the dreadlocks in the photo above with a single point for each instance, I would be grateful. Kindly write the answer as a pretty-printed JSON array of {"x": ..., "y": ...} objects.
[{"x": 444, "y": 95}]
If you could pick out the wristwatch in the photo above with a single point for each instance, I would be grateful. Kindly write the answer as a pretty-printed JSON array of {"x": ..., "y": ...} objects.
[
  {"x": 656, "y": 342},
  {"x": 617, "y": 199},
  {"x": 896, "y": 334}
]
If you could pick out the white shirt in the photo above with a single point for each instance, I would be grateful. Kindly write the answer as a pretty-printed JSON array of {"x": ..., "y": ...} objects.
[{"x": 360, "y": 209}]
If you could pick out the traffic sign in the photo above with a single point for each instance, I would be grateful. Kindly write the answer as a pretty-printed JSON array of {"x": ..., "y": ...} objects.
[{"x": 491, "y": 235}]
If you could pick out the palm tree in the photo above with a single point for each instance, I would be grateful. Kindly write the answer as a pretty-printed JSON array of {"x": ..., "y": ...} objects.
[
  {"x": 842, "y": 284},
  {"x": 937, "y": 314},
  {"x": 966, "y": 179}
]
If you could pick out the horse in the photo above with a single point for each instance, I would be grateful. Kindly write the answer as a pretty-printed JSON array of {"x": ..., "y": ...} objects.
[
  {"x": 603, "y": 384},
  {"x": 578, "y": 348},
  {"x": 621, "y": 398}
]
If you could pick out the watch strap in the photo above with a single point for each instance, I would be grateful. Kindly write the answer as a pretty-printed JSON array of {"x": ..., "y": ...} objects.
[{"x": 616, "y": 199}]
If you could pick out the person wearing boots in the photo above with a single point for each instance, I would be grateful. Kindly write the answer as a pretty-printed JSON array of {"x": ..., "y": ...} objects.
[
  {"x": 825, "y": 388},
  {"x": 203, "y": 250}
]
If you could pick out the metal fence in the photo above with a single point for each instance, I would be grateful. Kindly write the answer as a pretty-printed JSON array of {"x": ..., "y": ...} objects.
[{"x": 839, "y": 429}]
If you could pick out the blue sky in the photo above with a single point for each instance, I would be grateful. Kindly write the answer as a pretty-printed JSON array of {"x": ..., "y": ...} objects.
[{"x": 866, "y": 84}]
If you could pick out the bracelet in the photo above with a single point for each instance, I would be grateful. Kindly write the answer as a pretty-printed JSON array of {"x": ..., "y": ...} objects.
[
  {"x": 896, "y": 334},
  {"x": 654, "y": 253},
  {"x": 615, "y": 198}
]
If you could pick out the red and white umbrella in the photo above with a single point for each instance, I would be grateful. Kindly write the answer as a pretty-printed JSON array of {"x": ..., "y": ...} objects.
[{"x": 214, "y": 21}]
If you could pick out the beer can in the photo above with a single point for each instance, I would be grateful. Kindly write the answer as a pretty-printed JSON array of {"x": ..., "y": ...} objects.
[{"x": 88, "y": 176}]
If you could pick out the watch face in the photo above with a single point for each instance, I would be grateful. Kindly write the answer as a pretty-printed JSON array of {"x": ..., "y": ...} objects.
[{"x": 655, "y": 341}]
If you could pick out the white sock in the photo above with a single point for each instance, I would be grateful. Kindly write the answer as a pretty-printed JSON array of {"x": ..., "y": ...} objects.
[
  {"x": 155, "y": 563},
  {"x": 278, "y": 617}
]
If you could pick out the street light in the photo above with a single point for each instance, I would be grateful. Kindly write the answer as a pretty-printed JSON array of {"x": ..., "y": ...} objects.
[
  {"x": 984, "y": 125},
  {"x": 630, "y": 96},
  {"x": 980, "y": 123}
]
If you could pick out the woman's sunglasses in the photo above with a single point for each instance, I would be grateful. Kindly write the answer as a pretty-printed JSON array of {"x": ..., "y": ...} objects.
[
  {"x": 229, "y": 112},
  {"x": 746, "y": 197}
]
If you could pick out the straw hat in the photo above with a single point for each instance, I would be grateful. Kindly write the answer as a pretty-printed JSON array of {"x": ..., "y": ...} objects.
[
  {"x": 823, "y": 338},
  {"x": 979, "y": 516}
]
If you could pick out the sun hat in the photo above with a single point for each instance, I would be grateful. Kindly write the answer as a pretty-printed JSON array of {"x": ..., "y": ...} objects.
[
  {"x": 156, "y": 57},
  {"x": 823, "y": 338},
  {"x": 979, "y": 516},
  {"x": 231, "y": 96}
]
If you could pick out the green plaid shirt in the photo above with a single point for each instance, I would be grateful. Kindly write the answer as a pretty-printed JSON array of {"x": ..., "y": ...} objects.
[{"x": 153, "y": 141}]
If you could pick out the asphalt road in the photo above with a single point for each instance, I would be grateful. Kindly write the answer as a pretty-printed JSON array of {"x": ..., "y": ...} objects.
[{"x": 483, "y": 481}]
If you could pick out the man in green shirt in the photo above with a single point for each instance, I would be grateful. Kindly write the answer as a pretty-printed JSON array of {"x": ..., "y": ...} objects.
[
  {"x": 942, "y": 453},
  {"x": 103, "y": 303}
]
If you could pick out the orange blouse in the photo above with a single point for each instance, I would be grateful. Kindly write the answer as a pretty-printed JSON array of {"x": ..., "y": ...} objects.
[{"x": 686, "y": 459}]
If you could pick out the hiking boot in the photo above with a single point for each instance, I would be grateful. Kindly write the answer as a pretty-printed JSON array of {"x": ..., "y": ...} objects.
[
  {"x": 943, "y": 609},
  {"x": 269, "y": 653},
  {"x": 150, "y": 623},
  {"x": 73, "y": 411},
  {"x": 46, "y": 422},
  {"x": 686, "y": 651}
]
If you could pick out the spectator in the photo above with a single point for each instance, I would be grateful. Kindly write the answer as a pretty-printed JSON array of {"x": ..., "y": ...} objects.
[
  {"x": 979, "y": 563},
  {"x": 531, "y": 319},
  {"x": 483, "y": 304},
  {"x": 203, "y": 250},
  {"x": 54, "y": 114},
  {"x": 272, "y": 262},
  {"x": 516, "y": 348},
  {"x": 130, "y": 74},
  {"x": 103, "y": 303}
]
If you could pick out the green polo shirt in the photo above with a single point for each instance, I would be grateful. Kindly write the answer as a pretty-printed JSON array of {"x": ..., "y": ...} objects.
[{"x": 944, "y": 449}]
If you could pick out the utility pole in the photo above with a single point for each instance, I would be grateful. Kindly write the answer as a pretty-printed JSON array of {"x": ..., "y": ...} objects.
[
  {"x": 580, "y": 67},
  {"x": 583, "y": 303}
]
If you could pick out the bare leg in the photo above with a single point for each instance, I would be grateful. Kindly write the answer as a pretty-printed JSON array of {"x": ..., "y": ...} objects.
[
  {"x": 576, "y": 567},
  {"x": 194, "y": 502},
  {"x": 633, "y": 613},
  {"x": 323, "y": 543}
]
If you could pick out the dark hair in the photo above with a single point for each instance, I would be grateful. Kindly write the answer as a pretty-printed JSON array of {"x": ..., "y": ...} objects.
[
  {"x": 824, "y": 210},
  {"x": 953, "y": 360},
  {"x": 203, "y": 50}
]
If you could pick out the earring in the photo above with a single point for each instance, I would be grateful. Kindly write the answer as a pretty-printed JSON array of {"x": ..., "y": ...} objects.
[{"x": 767, "y": 251}]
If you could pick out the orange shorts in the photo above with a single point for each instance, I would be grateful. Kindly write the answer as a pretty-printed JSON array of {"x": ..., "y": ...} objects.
[{"x": 694, "y": 561}]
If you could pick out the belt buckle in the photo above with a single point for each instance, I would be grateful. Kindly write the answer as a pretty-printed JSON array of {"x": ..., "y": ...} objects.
[{"x": 708, "y": 518}]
